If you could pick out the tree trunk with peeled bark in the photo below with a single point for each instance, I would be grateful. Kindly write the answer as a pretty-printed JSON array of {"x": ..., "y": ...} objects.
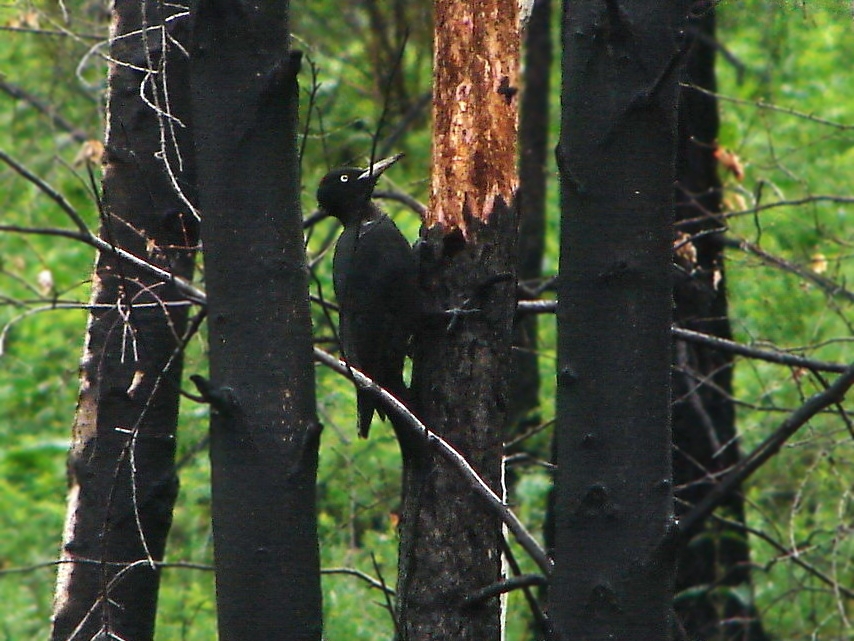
[
  {"x": 121, "y": 466},
  {"x": 450, "y": 542}
]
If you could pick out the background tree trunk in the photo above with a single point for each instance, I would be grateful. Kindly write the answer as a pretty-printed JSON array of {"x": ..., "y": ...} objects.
[
  {"x": 614, "y": 565},
  {"x": 121, "y": 465},
  {"x": 713, "y": 581},
  {"x": 264, "y": 431},
  {"x": 534, "y": 141},
  {"x": 450, "y": 544}
]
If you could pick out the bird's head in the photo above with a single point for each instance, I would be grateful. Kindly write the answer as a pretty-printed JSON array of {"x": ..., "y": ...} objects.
[{"x": 346, "y": 192}]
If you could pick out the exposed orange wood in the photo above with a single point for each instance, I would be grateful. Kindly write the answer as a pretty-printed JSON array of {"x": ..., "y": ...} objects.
[{"x": 475, "y": 110}]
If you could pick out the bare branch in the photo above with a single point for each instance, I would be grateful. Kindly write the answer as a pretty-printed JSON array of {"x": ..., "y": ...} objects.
[
  {"x": 48, "y": 110},
  {"x": 367, "y": 578},
  {"x": 46, "y": 189},
  {"x": 765, "y": 450},
  {"x": 401, "y": 197},
  {"x": 536, "y": 307},
  {"x": 446, "y": 451},
  {"x": 732, "y": 347},
  {"x": 539, "y": 615},
  {"x": 51, "y": 32},
  {"x": 722, "y": 344},
  {"x": 86, "y": 236},
  {"x": 389, "y": 606},
  {"x": 502, "y": 587},
  {"x": 807, "y": 200},
  {"x": 791, "y": 554},
  {"x": 760, "y": 104},
  {"x": 827, "y": 285}
]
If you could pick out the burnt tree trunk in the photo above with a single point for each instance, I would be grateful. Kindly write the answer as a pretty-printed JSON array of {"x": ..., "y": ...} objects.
[
  {"x": 713, "y": 586},
  {"x": 533, "y": 142},
  {"x": 121, "y": 466},
  {"x": 450, "y": 542},
  {"x": 264, "y": 431},
  {"x": 614, "y": 552}
]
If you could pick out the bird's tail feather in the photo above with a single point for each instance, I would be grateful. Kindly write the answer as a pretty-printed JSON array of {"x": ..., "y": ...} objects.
[{"x": 365, "y": 406}]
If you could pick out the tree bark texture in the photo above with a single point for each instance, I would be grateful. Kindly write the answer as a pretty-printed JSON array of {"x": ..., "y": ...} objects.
[
  {"x": 121, "y": 469},
  {"x": 614, "y": 548},
  {"x": 533, "y": 141},
  {"x": 475, "y": 82},
  {"x": 450, "y": 542},
  {"x": 713, "y": 585},
  {"x": 264, "y": 430}
]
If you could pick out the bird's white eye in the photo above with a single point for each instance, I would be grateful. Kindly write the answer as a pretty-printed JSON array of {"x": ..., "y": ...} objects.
[{"x": 344, "y": 178}]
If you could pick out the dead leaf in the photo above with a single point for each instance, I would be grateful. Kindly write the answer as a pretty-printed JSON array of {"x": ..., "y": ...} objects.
[
  {"x": 818, "y": 263},
  {"x": 91, "y": 151},
  {"x": 730, "y": 161}
]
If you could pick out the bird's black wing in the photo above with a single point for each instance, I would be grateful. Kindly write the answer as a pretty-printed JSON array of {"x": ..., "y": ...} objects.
[{"x": 375, "y": 276}]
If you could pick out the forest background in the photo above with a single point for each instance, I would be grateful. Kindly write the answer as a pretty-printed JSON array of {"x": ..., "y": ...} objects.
[{"x": 787, "y": 104}]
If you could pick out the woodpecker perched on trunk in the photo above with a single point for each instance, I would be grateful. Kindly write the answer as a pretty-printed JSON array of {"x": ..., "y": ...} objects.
[{"x": 374, "y": 272}]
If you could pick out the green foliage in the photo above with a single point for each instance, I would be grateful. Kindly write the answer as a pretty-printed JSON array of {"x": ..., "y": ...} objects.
[{"x": 792, "y": 54}]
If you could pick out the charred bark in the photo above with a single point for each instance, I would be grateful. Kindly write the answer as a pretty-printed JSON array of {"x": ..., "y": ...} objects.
[
  {"x": 533, "y": 142},
  {"x": 450, "y": 542},
  {"x": 614, "y": 535},
  {"x": 264, "y": 431},
  {"x": 714, "y": 576},
  {"x": 121, "y": 469}
]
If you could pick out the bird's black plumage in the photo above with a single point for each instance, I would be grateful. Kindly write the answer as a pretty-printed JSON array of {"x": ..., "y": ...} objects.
[{"x": 374, "y": 272}]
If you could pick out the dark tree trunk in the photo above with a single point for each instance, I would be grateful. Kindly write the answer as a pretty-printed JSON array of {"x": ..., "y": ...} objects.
[
  {"x": 264, "y": 431},
  {"x": 450, "y": 543},
  {"x": 713, "y": 580},
  {"x": 614, "y": 557},
  {"x": 533, "y": 140},
  {"x": 121, "y": 465}
]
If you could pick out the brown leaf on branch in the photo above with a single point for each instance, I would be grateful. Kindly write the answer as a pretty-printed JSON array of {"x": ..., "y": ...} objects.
[{"x": 730, "y": 161}]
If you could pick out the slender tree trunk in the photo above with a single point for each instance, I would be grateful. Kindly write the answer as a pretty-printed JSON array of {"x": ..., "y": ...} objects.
[
  {"x": 533, "y": 140},
  {"x": 450, "y": 544},
  {"x": 713, "y": 582},
  {"x": 121, "y": 465},
  {"x": 264, "y": 431},
  {"x": 614, "y": 552}
]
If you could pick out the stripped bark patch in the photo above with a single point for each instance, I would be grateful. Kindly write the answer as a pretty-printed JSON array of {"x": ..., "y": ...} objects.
[{"x": 474, "y": 110}]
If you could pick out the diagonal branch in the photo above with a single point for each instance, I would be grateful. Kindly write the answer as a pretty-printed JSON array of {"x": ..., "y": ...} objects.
[
  {"x": 48, "y": 110},
  {"x": 781, "y": 358},
  {"x": 827, "y": 285},
  {"x": 834, "y": 394},
  {"x": 446, "y": 451},
  {"x": 85, "y": 235}
]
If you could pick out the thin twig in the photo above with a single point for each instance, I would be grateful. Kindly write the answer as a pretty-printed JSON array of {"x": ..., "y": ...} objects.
[
  {"x": 389, "y": 606},
  {"x": 540, "y": 616},
  {"x": 49, "y": 191},
  {"x": 367, "y": 578},
  {"x": 401, "y": 197},
  {"x": 48, "y": 110},
  {"x": 752, "y": 211},
  {"x": 834, "y": 394},
  {"x": 502, "y": 587},
  {"x": 781, "y": 358},
  {"x": 760, "y": 104},
  {"x": 790, "y": 554},
  {"x": 827, "y": 285},
  {"x": 86, "y": 236}
]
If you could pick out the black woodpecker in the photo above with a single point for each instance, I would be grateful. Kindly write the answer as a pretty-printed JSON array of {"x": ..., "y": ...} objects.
[{"x": 375, "y": 273}]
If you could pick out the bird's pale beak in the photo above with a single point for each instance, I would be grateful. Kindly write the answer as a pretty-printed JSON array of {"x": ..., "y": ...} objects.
[{"x": 374, "y": 171}]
